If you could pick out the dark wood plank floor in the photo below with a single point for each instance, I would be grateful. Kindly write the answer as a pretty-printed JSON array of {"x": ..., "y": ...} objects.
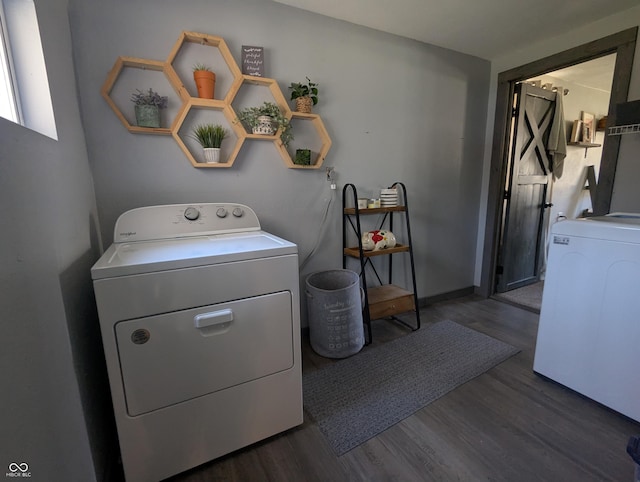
[{"x": 509, "y": 424}]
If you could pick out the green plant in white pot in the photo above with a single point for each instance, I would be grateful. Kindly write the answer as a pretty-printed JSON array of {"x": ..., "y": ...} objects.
[
  {"x": 210, "y": 137},
  {"x": 147, "y": 107},
  {"x": 265, "y": 120}
]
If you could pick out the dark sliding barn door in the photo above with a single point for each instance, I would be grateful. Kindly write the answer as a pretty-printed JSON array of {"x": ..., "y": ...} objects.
[{"x": 527, "y": 189}]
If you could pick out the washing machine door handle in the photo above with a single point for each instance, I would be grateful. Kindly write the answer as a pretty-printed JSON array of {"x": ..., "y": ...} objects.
[{"x": 219, "y": 317}]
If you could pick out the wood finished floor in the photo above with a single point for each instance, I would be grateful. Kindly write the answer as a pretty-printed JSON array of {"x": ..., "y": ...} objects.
[{"x": 506, "y": 425}]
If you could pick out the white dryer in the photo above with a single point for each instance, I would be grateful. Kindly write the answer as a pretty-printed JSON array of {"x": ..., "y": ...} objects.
[
  {"x": 589, "y": 330},
  {"x": 200, "y": 321}
]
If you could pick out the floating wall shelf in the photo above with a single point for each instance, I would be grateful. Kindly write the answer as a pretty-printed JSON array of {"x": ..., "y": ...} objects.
[
  {"x": 117, "y": 69},
  {"x": 233, "y": 72},
  {"x": 234, "y": 136},
  {"x": 229, "y": 78}
]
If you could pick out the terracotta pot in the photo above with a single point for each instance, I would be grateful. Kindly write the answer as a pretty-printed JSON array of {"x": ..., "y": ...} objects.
[{"x": 205, "y": 82}]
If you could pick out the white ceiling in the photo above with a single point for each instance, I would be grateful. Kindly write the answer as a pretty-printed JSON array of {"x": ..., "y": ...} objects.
[
  {"x": 483, "y": 28},
  {"x": 594, "y": 74}
]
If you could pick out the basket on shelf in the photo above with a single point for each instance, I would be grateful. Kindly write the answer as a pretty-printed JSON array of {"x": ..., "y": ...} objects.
[{"x": 304, "y": 104}]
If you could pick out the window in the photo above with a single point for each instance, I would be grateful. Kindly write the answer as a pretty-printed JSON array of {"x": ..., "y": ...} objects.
[
  {"x": 24, "y": 86},
  {"x": 8, "y": 98}
]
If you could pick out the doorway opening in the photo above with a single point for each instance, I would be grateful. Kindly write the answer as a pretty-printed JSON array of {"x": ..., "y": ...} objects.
[
  {"x": 552, "y": 167},
  {"x": 622, "y": 45}
]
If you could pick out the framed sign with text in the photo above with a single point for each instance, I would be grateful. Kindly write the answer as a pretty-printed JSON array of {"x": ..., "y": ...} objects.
[{"x": 253, "y": 60}]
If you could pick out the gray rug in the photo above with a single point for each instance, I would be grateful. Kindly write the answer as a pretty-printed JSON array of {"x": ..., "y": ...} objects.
[{"x": 355, "y": 399}]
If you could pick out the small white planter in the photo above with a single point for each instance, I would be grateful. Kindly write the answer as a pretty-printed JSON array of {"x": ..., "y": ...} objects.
[{"x": 212, "y": 155}]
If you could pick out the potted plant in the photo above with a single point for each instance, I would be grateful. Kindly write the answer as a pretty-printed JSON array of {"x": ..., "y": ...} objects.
[
  {"x": 305, "y": 95},
  {"x": 261, "y": 120},
  {"x": 147, "y": 107},
  {"x": 210, "y": 137},
  {"x": 303, "y": 157},
  {"x": 205, "y": 81}
]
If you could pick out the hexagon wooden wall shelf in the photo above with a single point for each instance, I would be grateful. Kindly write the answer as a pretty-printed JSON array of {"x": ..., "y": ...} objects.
[
  {"x": 116, "y": 70},
  {"x": 325, "y": 140},
  {"x": 208, "y": 41},
  {"x": 279, "y": 99},
  {"x": 197, "y": 103},
  {"x": 281, "y": 102},
  {"x": 189, "y": 103}
]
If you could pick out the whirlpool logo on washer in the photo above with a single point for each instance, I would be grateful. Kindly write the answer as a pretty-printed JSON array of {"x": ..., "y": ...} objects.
[
  {"x": 561, "y": 240},
  {"x": 18, "y": 469}
]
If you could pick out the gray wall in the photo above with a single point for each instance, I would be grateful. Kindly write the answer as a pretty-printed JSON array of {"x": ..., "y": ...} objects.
[
  {"x": 396, "y": 110},
  {"x": 51, "y": 372}
]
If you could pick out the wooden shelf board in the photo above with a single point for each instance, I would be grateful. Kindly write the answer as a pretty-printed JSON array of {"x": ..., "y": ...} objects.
[
  {"x": 207, "y": 165},
  {"x": 355, "y": 253},
  {"x": 374, "y": 210},
  {"x": 303, "y": 166},
  {"x": 583, "y": 144},
  {"x": 389, "y": 300},
  {"x": 262, "y": 137},
  {"x": 149, "y": 130}
]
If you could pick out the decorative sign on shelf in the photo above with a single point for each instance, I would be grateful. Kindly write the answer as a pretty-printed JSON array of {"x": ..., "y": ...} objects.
[{"x": 253, "y": 60}]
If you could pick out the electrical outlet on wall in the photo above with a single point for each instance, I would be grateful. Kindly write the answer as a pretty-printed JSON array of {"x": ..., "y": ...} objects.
[{"x": 331, "y": 176}]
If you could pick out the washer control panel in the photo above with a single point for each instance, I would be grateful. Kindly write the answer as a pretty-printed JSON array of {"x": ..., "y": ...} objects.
[{"x": 184, "y": 220}]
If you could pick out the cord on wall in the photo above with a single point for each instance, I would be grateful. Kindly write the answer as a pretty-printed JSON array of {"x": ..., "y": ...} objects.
[
  {"x": 319, "y": 236},
  {"x": 330, "y": 171}
]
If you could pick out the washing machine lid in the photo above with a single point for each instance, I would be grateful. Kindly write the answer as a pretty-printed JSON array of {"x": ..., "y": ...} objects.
[
  {"x": 123, "y": 259},
  {"x": 619, "y": 227},
  {"x": 160, "y": 238}
]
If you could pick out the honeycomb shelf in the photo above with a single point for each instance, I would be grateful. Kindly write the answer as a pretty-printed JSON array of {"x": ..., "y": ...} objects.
[
  {"x": 320, "y": 132},
  {"x": 235, "y": 132},
  {"x": 233, "y": 76},
  {"x": 229, "y": 80},
  {"x": 120, "y": 65}
]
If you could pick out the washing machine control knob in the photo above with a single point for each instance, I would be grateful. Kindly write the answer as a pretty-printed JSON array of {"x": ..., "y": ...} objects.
[
  {"x": 221, "y": 213},
  {"x": 238, "y": 212},
  {"x": 191, "y": 213}
]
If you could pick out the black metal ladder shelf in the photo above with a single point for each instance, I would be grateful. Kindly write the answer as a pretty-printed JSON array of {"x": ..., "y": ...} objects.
[{"x": 384, "y": 300}]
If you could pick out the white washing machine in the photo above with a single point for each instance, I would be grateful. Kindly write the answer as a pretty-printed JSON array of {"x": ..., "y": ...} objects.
[
  {"x": 589, "y": 330},
  {"x": 200, "y": 320}
]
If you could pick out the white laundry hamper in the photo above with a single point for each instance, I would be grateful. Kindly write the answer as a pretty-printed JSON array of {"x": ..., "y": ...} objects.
[{"x": 334, "y": 308}]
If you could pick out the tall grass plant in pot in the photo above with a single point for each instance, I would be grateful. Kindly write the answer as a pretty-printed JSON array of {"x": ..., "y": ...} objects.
[{"x": 210, "y": 137}]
